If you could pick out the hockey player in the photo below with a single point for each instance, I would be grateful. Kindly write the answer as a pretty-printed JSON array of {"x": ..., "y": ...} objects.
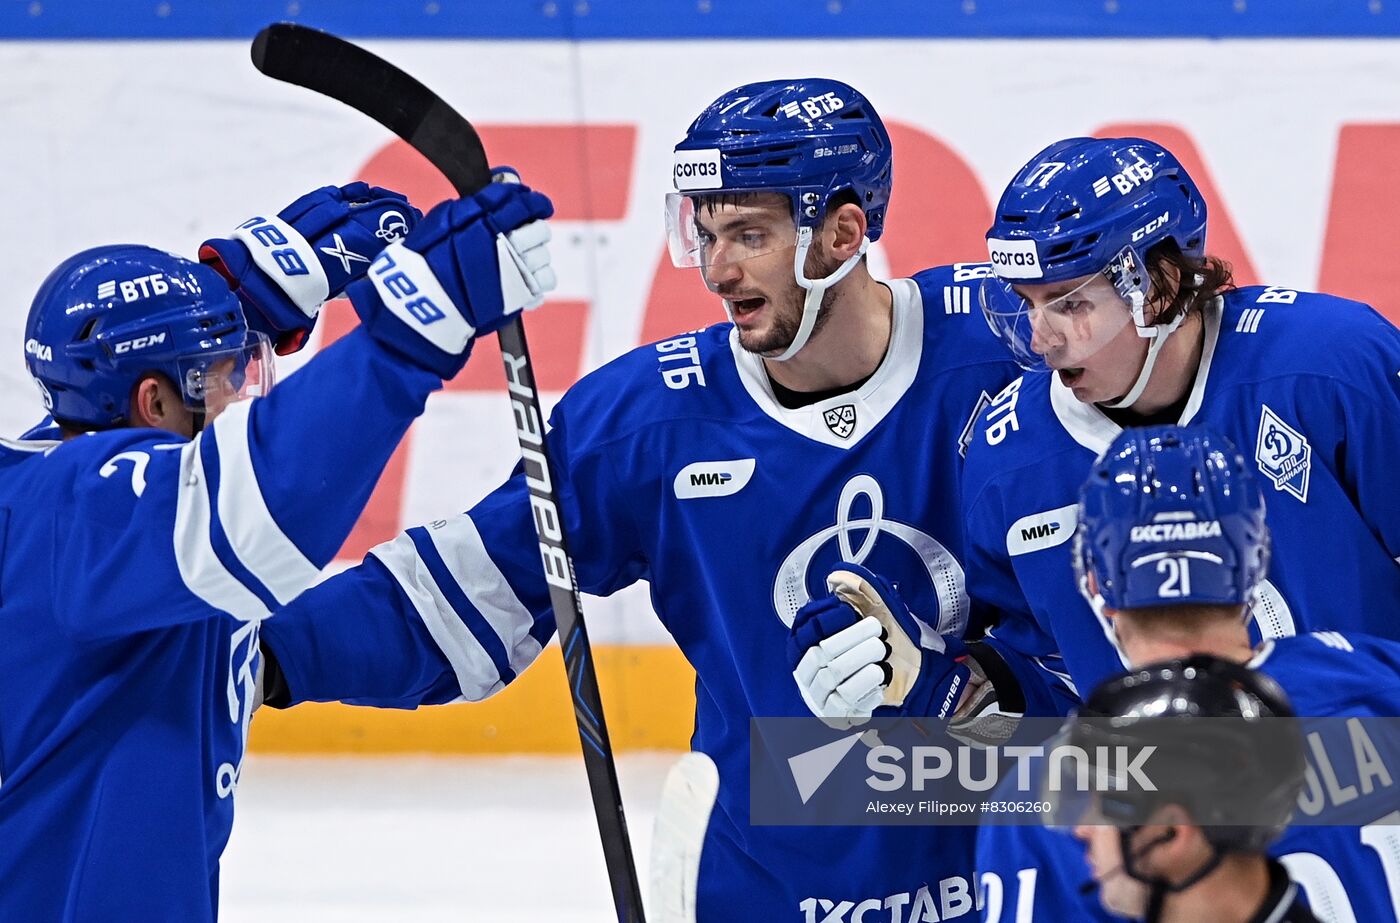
[
  {"x": 1104, "y": 290},
  {"x": 730, "y": 468},
  {"x": 1186, "y": 496},
  {"x": 156, "y": 520},
  {"x": 1191, "y": 851}
]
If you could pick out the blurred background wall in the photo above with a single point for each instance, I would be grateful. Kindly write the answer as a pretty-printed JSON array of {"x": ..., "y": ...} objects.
[{"x": 144, "y": 121}]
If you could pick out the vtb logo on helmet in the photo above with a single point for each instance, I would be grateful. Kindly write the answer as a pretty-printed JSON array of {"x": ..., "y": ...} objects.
[
  {"x": 106, "y": 317},
  {"x": 812, "y": 141},
  {"x": 1077, "y": 227}
]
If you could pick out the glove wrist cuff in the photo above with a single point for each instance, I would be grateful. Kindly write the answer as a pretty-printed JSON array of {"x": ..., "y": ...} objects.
[
  {"x": 283, "y": 254},
  {"x": 393, "y": 334}
]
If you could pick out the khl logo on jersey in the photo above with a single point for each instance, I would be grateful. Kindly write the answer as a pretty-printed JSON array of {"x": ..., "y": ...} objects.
[
  {"x": 841, "y": 420},
  {"x": 944, "y": 573},
  {"x": 1283, "y": 454}
]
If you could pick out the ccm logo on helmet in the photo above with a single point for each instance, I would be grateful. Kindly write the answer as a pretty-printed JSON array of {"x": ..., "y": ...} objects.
[
  {"x": 1151, "y": 226},
  {"x": 697, "y": 170},
  {"x": 136, "y": 343},
  {"x": 1014, "y": 259}
]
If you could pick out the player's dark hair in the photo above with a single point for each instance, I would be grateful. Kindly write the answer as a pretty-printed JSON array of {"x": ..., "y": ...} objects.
[
  {"x": 713, "y": 201},
  {"x": 1197, "y": 280}
]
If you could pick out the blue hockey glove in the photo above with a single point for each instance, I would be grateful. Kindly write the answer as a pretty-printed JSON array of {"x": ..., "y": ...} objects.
[
  {"x": 284, "y": 268},
  {"x": 856, "y": 654},
  {"x": 466, "y": 270}
]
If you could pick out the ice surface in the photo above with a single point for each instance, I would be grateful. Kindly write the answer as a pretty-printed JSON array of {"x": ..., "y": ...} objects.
[{"x": 504, "y": 839}]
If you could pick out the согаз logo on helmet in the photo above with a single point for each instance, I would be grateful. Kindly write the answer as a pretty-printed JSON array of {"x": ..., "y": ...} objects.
[
  {"x": 1014, "y": 259},
  {"x": 697, "y": 170}
]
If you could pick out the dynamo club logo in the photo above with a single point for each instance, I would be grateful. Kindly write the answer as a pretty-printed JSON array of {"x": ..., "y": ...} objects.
[
  {"x": 1283, "y": 454},
  {"x": 856, "y": 539},
  {"x": 392, "y": 226}
]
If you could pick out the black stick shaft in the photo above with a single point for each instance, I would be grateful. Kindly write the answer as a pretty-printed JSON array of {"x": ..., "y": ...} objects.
[{"x": 346, "y": 72}]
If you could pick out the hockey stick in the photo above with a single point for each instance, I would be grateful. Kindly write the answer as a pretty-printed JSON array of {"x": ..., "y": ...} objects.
[{"x": 345, "y": 72}]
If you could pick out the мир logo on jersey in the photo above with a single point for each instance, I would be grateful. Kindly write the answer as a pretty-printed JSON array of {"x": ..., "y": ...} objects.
[
  {"x": 841, "y": 420},
  {"x": 1283, "y": 454}
]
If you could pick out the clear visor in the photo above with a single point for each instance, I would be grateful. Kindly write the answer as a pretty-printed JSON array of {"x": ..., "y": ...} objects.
[
  {"x": 720, "y": 228},
  {"x": 1048, "y": 328},
  {"x": 212, "y": 380},
  {"x": 1084, "y": 792}
]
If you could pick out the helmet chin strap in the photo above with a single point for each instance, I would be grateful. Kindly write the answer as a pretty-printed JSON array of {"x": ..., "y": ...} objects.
[
  {"x": 1158, "y": 334},
  {"x": 816, "y": 289}
]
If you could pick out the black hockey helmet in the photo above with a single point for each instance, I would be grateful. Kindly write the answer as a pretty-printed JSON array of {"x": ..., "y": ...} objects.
[{"x": 1228, "y": 749}]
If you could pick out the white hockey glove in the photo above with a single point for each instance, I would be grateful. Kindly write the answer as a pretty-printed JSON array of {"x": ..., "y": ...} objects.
[{"x": 854, "y": 651}]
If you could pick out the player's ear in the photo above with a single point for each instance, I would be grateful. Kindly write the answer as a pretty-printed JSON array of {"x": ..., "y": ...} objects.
[
  {"x": 847, "y": 225},
  {"x": 155, "y": 404}
]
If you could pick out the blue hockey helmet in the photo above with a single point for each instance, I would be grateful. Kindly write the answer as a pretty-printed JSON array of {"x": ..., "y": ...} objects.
[
  {"x": 1071, "y": 210},
  {"x": 107, "y": 316},
  {"x": 1089, "y": 208},
  {"x": 808, "y": 140},
  {"x": 1171, "y": 516}
]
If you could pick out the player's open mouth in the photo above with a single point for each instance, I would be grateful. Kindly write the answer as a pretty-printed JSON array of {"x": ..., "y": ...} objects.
[
  {"x": 1069, "y": 376},
  {"x": 742, "y": 306}
]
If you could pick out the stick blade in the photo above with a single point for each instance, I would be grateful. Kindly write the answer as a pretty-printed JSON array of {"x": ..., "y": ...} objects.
[
  {"x": 687, "y": 799},
  {"x": 347, "y": 73}
]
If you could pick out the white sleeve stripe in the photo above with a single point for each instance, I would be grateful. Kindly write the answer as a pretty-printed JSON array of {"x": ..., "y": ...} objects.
[
  {"x": 200, "y": 568},
  {"x": 476, "y": 674},
  {"x": 462, "y": 550},
  {"x": 256, "y": 538}
]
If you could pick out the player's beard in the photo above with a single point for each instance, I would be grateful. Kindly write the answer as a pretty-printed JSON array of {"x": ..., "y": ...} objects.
[{"x": 787, "y": 308}]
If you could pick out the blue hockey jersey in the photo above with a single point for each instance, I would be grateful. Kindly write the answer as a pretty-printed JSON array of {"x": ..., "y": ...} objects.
[
  {"x": 677, "y": 466},
  {"x": 1350, "y": 874},
  {"x": 135, "y": 568},
  {"x": 1307, "y": 386}
]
